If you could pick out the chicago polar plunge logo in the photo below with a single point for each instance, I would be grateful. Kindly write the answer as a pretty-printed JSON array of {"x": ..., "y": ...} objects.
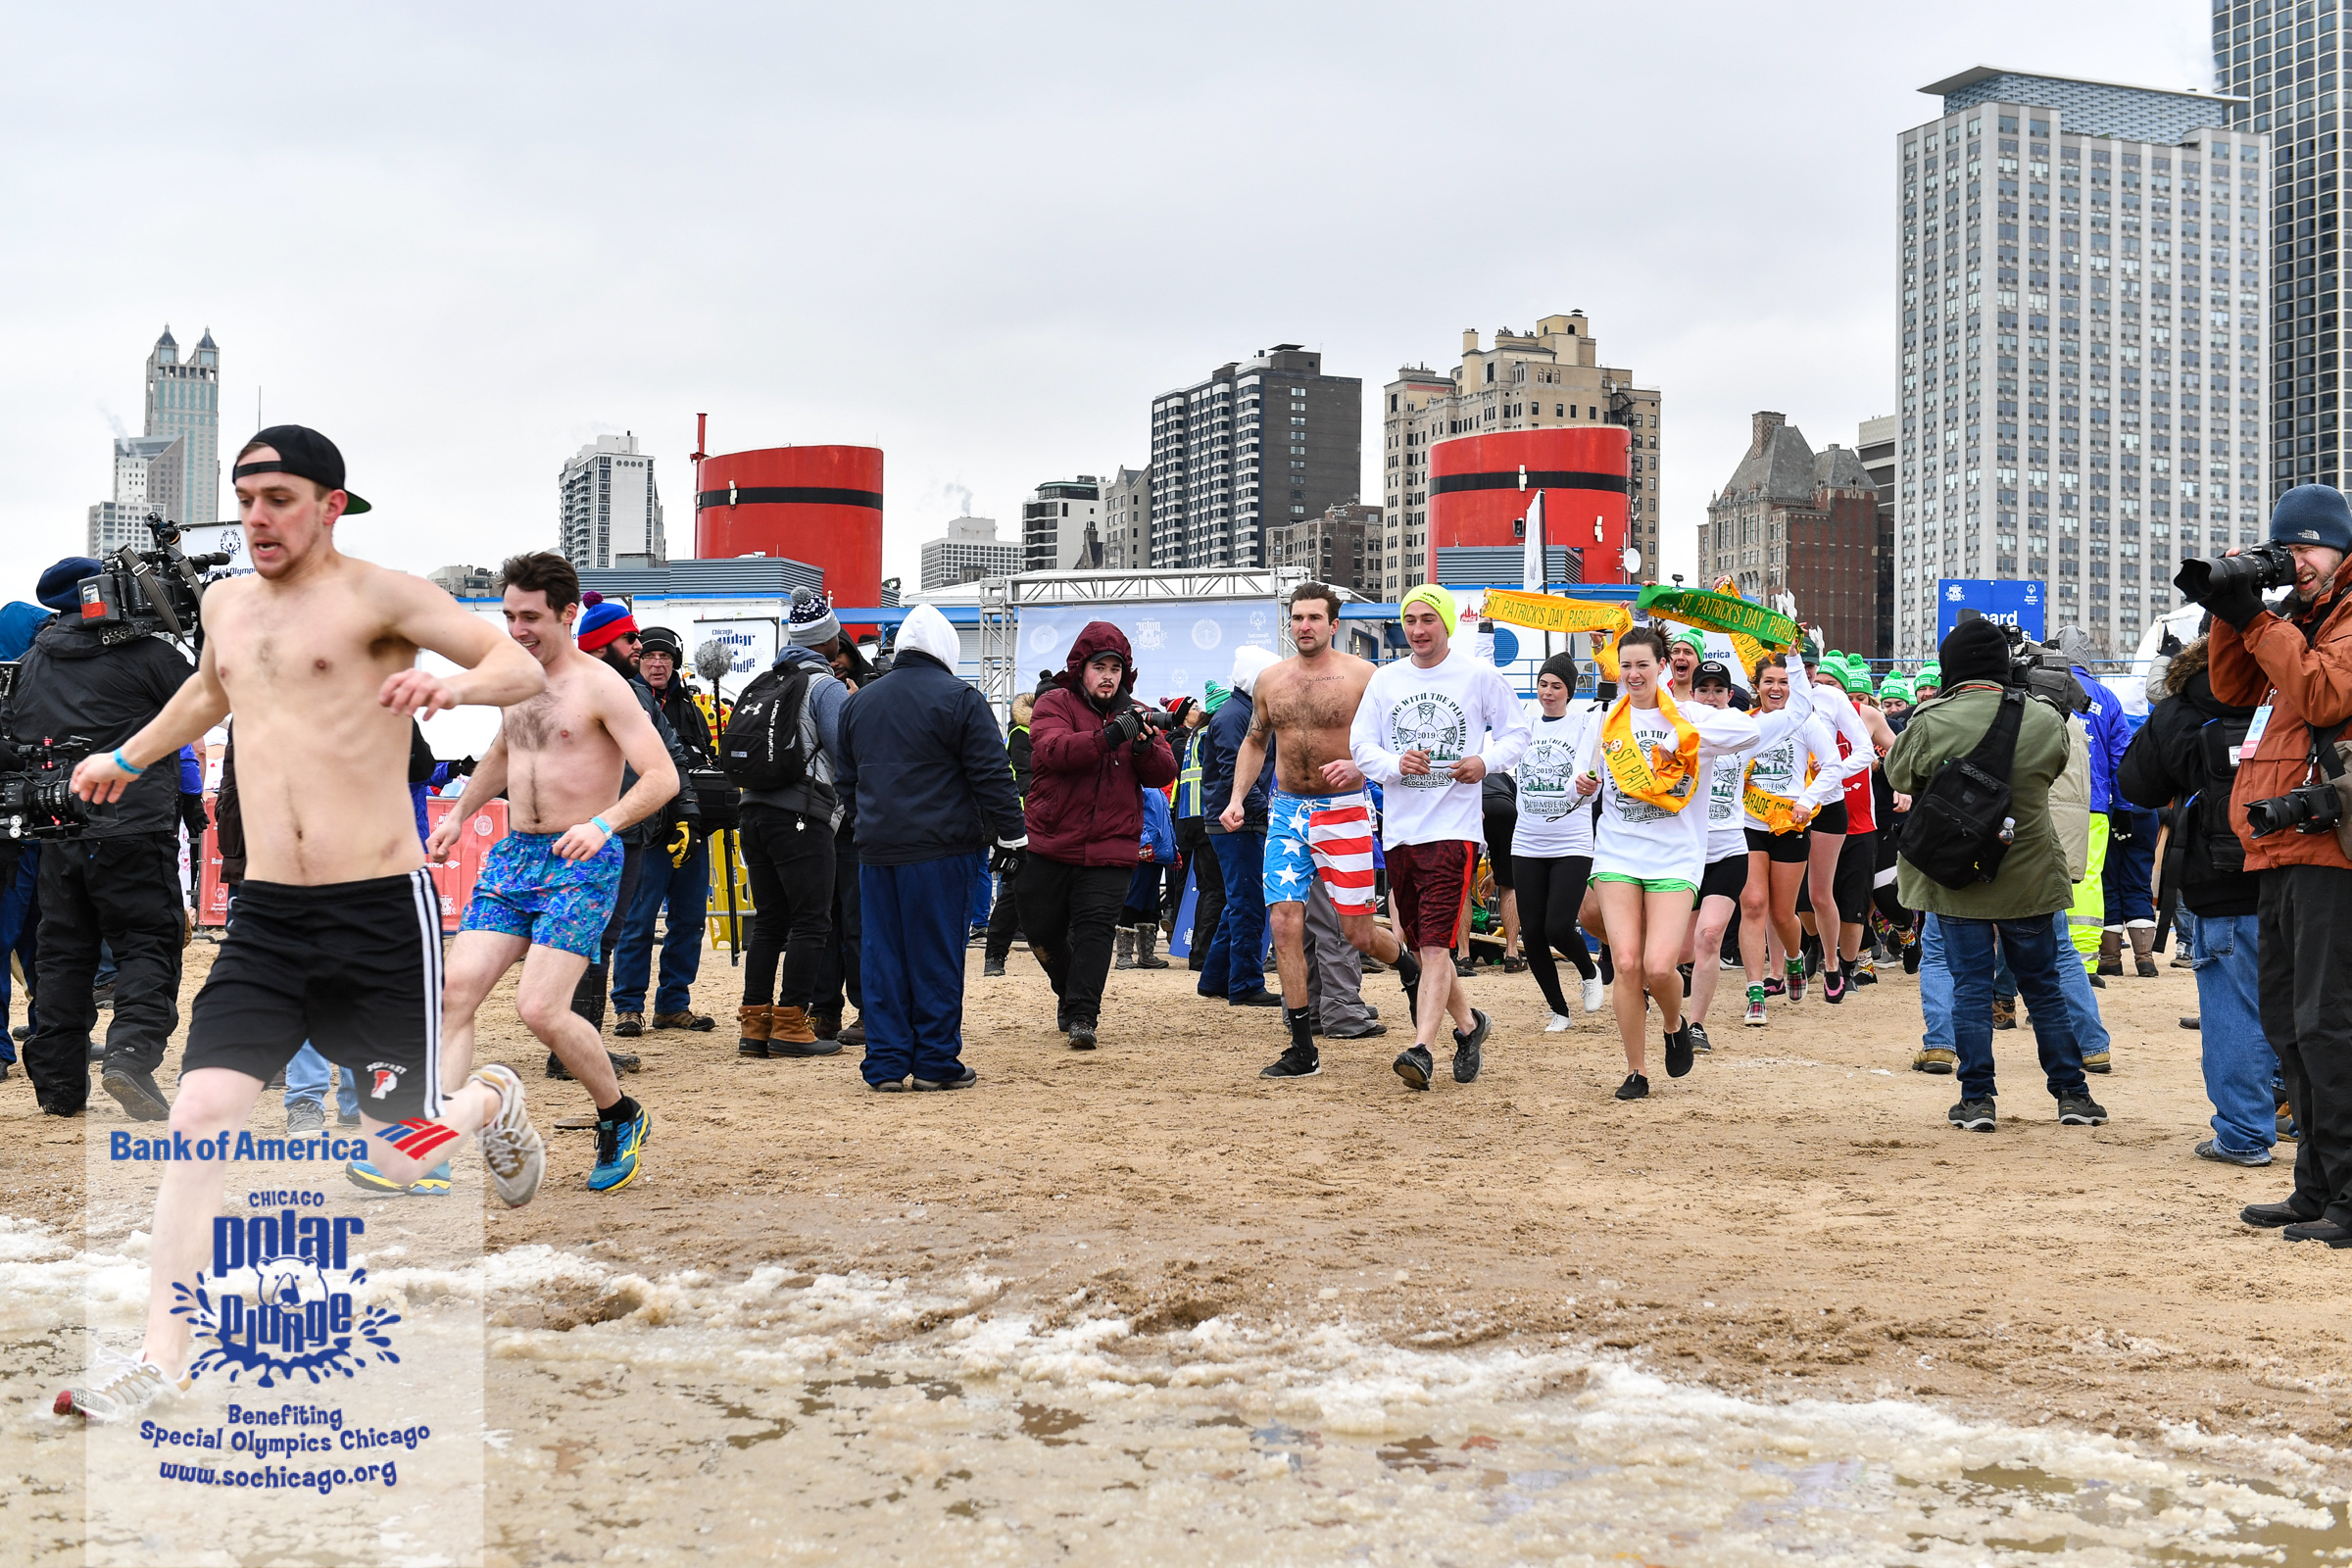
[{"x": 302, "y": 1320}]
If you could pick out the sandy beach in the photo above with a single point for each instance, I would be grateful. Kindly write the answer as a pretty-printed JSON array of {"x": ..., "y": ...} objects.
[{"x": 1793, "y": 1222}]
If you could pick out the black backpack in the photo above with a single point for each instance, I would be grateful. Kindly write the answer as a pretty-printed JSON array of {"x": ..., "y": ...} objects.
[
  {"x": 762, "y": 747},
  {"x": 1958, "y": 829}
]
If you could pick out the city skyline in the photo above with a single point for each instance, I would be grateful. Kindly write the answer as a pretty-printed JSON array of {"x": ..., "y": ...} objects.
[{"x": 421, "y": 340}]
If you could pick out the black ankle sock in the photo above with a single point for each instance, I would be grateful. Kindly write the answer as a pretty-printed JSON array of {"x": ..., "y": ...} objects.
[
  {"x": 622, "y": 1109},
  {"x": 1302, "y": 1032}
]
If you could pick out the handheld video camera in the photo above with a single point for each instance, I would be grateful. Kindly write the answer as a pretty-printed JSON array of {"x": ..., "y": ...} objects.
[
  {"x": 2041, "y": 670},
  {"x": 138, "y": 593}
]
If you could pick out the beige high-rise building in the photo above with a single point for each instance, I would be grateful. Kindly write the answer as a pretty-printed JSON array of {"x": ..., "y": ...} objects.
[
  {"x": 1549, "y": 377},
  {"x": 1127, "y": 519}
]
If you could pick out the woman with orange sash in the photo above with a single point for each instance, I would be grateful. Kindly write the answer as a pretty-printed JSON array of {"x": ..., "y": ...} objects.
[
  {"x": 1787, "y": 783},
  {"x": 1652, "y": 762}
]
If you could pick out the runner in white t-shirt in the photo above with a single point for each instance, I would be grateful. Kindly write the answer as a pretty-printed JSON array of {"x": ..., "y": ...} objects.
[
  {"x": 1726, "y": 875},
  {"x": 1791, "y": 779},
  {"x": 1651, "y": 763},
  {"x": 1551, "y": 847},
  {"x": 1428, "y": 731},
  {"x": 1826, "y": 840}
]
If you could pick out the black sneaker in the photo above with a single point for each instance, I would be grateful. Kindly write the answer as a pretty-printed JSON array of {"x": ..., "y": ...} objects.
[
  {"x": 991, "y": 968},
  {"x": 1635, "y": 1087},
  {"x": 1466, "y": 1047},
  {"x": 1679, "y": 1052},
  {"x": 964, "y": 1080},
  {"x": 1911, "y": 951},
  {"x": 2081, "y": 1111},
  {"x": 1699, "y": 1039},
  {"x": 1295, "y": 1064},
  {"x": 1261, "y": 997},
  {"x": 1972, "y": 1116},
  {"x": 1409, "y": 974},
  {"x": 1608, "y": 967},
  {"x": 136, "y": 1089},
  {"x": 1834, "y": 985},
  {"x": 852, "y": 1033},
  {"x": 2210, "y": 1149},
  {"x": 1082, "y": 1033},
  {"x": 1414, "y": 1067},
  {"x": 2269, "y": 1217}
]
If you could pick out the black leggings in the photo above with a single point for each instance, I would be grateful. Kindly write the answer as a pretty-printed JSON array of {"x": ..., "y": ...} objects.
[{"x": 1550, "y": 893}]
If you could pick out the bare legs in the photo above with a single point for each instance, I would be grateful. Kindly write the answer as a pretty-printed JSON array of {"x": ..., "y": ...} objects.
[
  {"x": 1646, "y": 936},
  {"x": 1707, "y": 957},
  {"x": 477, "y": 959},
  {"x": 1289, "y": 919}
]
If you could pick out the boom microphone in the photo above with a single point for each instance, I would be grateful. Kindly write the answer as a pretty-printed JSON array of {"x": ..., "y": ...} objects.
[{"x": 713, "y": 659}]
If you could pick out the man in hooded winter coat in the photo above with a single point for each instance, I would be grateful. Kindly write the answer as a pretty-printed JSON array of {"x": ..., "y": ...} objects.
[
  {"x": 930, "y": 766},
  {"x": 1091, "y": 751}
]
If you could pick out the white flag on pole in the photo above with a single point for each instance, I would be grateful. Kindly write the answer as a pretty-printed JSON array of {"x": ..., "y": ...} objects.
[{"x": 1532, "y": 573}]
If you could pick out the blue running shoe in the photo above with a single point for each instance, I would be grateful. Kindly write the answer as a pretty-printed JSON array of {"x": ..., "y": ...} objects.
[
  {"x": 375, "y": 1183},
  {"x": 367, "y": 1179},
  {"x": 617, "y": 1147}
]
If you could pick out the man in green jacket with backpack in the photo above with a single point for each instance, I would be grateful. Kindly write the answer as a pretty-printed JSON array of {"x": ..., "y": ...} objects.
[{"x": 2028, "y": 884}]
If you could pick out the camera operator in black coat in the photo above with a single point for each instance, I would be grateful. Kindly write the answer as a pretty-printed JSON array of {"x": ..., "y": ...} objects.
[{"x": 116, "y": 883}]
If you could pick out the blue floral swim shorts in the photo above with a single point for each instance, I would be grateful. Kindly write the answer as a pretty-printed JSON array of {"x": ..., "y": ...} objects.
[{"x": 527, "y": 890}]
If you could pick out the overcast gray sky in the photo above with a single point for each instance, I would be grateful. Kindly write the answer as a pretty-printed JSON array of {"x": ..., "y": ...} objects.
[{"x": 462, "y": 240}]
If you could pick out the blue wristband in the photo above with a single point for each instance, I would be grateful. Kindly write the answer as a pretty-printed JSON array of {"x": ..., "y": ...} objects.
[
  {"x": 601, "y": 825},
  {"x": 124, "y": 763}
]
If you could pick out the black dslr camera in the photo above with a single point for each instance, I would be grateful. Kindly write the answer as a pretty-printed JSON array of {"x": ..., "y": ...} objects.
[
  {"x": 36, "y": 782},
  {"x": 138, "y": 593},
  {"x": 2312, "y": 808},
  {"x": 2042, "y": 671},
  {"x": 2261, "y": 567}
]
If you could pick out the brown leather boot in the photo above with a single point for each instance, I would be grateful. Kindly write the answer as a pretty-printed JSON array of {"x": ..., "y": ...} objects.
[
  {"x": 754, "y": 1027},
  {"x": 2111, "y": 952},
  {"x": 789, "y": 1035},
  {"x": 2004, "y": 1012},
  {"x": 2144, "y": 952}
]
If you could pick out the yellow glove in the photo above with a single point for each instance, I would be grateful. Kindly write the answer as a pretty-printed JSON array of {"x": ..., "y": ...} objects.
[{"x": 679, "y": 845}]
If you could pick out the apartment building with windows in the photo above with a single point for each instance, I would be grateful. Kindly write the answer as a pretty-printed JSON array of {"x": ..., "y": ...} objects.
[
  {"x": 1338, "y": 547},
  {"x": 1062, "y": 525},
  {"x": 1127, "y": 519},
  {"x": 1795, "y": 526},
  {"x": 2084, "y": 325},
  {"x": 968, "y": 553},
  {"x": 1266, "y": 439},
  {"x": 1548, "y": 378},
  {"x": 609, "y": 509}
]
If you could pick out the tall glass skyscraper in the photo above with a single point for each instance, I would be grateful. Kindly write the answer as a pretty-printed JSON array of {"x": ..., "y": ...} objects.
[
  {"x": 183, "y": 400},
  {"x": 2083, "y": 327},
  {"x": 2279, "y": 62}
]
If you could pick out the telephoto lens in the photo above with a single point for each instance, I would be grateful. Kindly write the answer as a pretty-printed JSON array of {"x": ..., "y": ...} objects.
[{"x": 2262, "y": 567}]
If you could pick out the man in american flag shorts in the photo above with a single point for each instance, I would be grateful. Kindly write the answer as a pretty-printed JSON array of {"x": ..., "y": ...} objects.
[{"x": 1319, "y": 833}]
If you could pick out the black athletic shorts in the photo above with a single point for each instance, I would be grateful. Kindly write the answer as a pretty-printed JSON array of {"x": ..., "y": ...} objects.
[
  {"x": 1726, "y": 878},
  {"x": 353, "y": 967},
  {"x": 1857, "y": 869},
  {"x": 1830, "y": 819},
  {"x": 1787, "y": 849}
]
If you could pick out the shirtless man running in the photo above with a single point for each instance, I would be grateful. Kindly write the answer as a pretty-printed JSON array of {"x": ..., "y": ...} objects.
[
  {"x": 337, "y": 935},
  {"x": 1319, "y": 822},
  {"x": 547, "y": 889}
]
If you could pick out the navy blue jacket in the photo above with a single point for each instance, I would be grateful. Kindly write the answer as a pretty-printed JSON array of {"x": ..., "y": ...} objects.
[
  {"x": 929, "y": 765},
  {"x": 1221, "y": 748}
]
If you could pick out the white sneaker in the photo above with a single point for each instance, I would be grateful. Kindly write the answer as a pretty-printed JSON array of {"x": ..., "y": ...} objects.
[
  {"x": 1594, "y": 997},
  {"x": 117, "y": 1391},
  {"x": 1558, "y": 1022},
  {"x": 512, "y": 1146}
]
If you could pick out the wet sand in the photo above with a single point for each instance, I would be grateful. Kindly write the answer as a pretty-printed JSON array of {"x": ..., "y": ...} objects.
[{"x": 1793, "y": 1222}]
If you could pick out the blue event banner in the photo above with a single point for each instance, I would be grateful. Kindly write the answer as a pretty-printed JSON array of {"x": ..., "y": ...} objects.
[
  {"x": 1179, "y": 648},
  {"x": 2010, "y": 600}
]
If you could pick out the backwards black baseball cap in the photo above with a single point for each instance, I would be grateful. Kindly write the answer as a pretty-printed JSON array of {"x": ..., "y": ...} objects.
[{"x": 306, "y": 455}]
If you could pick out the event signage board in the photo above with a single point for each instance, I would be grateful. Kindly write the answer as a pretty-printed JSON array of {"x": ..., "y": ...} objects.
[
  {"x": 1179, "y": 648},
  {"x": 751, "y": 642},
  {"x": 2008, "y": 601}
]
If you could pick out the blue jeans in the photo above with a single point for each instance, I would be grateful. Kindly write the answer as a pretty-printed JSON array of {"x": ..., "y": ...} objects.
[
  {"x": 1235, "y": 963},
  {"x": 307, "y": 1078},
  {"x": 19, "y": 925},
  {"x": 914, "y": 923},
  {"x": 1936, "y": 991},
  {"x": 2032, "y": 948},
  {"x": 686, "y": 889},
  {"x": 2240, "y": 1067}
]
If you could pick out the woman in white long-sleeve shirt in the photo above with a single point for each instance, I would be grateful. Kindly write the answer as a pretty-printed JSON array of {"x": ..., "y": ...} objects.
[
  {"x": 1827, "y": 840},
  {"x": 1650, "y": 761},
  {"x": 1789, "y": 782}
]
